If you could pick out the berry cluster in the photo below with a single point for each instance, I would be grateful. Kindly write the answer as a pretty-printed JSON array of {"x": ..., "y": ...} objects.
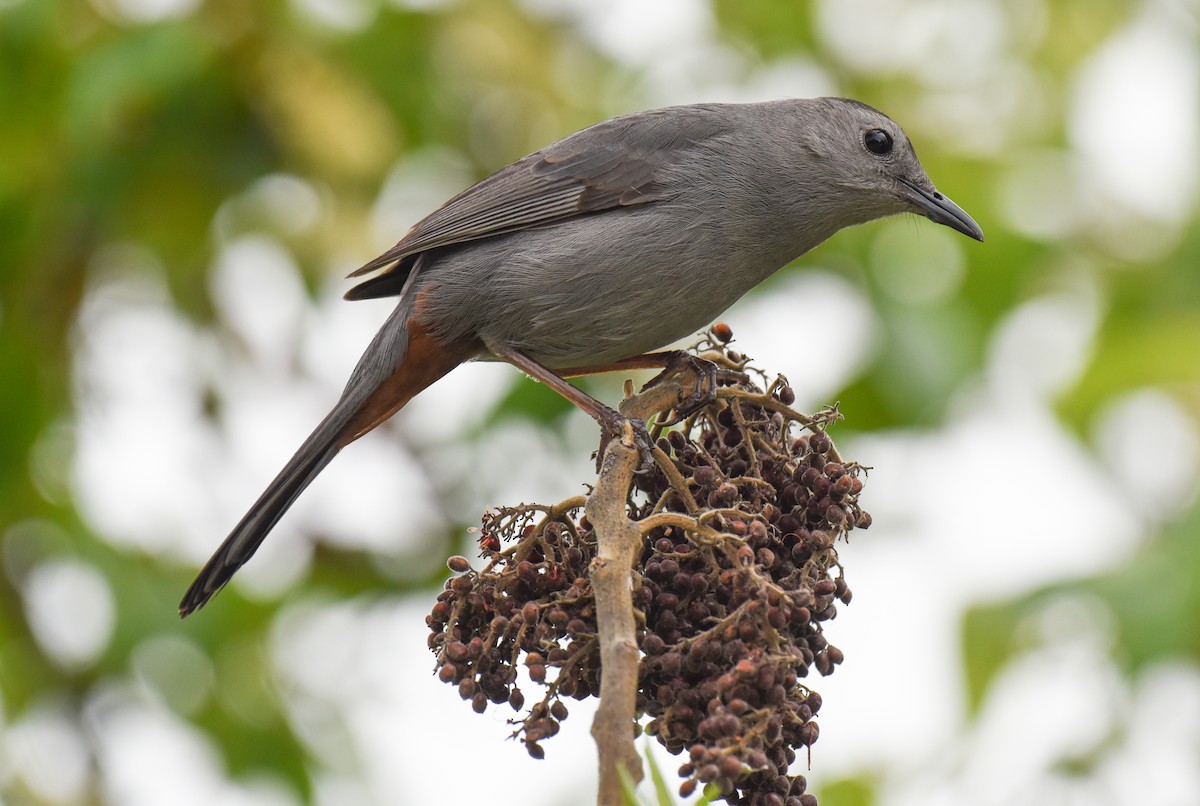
[{"x": 736, "y": 578}]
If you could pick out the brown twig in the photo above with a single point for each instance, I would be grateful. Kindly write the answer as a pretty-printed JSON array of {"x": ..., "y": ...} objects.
[{"x": 618, "y": 544}]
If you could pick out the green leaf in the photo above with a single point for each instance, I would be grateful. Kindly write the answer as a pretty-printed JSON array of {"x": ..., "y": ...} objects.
[
  {"x": 771, "y": 29},
  {"x": 987, "y": 646},
  {"x": 661, "y": 790},
  {"x": 628, "y": 788},
  {"x": 1151, "y": 349},
  {"x": 849, "y": 792}
]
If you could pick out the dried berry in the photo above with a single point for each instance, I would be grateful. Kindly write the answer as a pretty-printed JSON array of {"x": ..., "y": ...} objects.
[{"x": 732, "y": 605}]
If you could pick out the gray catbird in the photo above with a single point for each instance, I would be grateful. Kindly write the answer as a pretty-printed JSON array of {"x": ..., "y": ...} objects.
[{"x": 587, "y": 255}]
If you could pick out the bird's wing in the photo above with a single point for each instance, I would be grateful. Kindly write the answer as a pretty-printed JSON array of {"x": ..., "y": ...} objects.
[{"x": 614, "y": 164}]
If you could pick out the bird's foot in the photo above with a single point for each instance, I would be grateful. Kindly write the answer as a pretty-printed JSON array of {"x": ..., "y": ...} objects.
[
  {"x": 612, "y": 426},
  {"x": 704, "y": 392}
]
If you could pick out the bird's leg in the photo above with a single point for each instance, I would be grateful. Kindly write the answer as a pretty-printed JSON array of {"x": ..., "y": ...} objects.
[
  {"x": 611, "y": 421},
  {"x": 670, "y": 361}
]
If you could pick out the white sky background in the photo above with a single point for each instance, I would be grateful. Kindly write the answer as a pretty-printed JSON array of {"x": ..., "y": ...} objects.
[{"x": 357, "y": 677}]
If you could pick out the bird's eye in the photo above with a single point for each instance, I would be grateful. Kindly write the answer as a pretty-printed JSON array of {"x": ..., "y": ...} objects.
[{"x": 878, "y": 142}]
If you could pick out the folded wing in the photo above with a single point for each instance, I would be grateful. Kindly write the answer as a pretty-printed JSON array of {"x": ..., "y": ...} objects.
[{"x": 614, "y": 164}]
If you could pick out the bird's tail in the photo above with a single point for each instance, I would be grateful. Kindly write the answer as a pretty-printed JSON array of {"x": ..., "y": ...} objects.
[
  {"x": 316, "y": 452},
  {"x": 402, "y": 360}
]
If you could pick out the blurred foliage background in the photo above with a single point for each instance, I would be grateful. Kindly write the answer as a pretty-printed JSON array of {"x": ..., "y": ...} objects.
[{"x": 183, "y": 183}]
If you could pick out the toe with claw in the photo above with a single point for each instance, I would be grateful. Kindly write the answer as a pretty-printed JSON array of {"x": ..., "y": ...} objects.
[
  {"x": 612, "y": 426},
  {"x": 704, "y": 391}
]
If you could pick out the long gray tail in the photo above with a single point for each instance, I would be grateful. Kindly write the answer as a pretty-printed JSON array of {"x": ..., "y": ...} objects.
[
  {"x": 385, "y": 354},
  {"x": 316, "y": 452}
]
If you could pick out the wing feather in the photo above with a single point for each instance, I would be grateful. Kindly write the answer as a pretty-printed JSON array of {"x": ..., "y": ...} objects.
[{"x": 617, "y": 163}]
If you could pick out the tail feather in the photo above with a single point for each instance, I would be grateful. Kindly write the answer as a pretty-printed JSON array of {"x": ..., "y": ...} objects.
[
  {"x": 248, "y": 535},
  {"x": 379, "y": 374},
  {"x": 402, "y": 360}
]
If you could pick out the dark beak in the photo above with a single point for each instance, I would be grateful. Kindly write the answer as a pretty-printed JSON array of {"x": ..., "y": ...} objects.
[{"x": 938, "y": 208}]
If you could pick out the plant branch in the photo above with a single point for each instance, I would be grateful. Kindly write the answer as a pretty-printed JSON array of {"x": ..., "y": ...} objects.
[{"x": 618, "y": 545}]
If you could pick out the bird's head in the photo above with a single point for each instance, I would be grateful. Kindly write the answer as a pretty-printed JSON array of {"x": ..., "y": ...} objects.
[{"x": 869, "y": 154}]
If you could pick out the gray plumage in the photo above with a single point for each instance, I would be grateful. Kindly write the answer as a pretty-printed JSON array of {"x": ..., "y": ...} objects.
[
  {"x": 608, "y": 244},
  {"x": 686, "y": 207}
]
